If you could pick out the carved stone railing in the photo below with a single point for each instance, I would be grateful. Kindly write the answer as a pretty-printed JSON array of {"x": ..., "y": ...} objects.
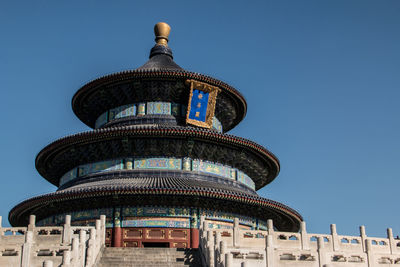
[
  {"x": 66, "y": 246},
  {"x": 238, "y": 247}
]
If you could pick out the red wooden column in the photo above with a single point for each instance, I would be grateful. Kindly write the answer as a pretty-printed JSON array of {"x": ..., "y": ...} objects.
[
  {"x": 194, "y": 237},
  {"x": 117, "y": 236},
  {"x": 117, "y": 230}
]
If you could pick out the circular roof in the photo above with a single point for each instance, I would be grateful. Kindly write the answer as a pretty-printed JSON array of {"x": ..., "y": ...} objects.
[
  {"x": 174, "y": 191},
  {"x": 69, "y": 152}
]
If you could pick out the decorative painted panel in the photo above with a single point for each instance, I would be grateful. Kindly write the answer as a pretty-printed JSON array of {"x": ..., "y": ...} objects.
[
  {"x": 158, "y": 163},
  {"x": 213, "y": 168},
  {"x": 216, "y": 124},
  {"x": 175, "y": 109},
  {"x": 68, "y": 176},
  {"x": 245, "y": 179},
  {"x": 187, "y": 164},
  {"x": 123, "y": 111},
  {"x": 102, "y": 166},
  {"x": 140, "y": 109},
  {"x": 157, "y": 222},
  {"x": 155, "y": 211},
  {"x": 159, "y": 108}
]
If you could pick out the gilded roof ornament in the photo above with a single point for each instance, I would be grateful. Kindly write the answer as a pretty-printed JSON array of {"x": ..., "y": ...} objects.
[{"x": 161, "y": 31}]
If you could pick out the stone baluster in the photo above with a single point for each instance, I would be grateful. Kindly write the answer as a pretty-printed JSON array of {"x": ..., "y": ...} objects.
[
  {"x": 67, "y": 232},
  {"x": 370, "y": 256},
  {"x": 204, "y": 235},
  {"x": 91, "y": 248},
  {"x": 335, "y": 238},
  {"x": 228, "y": 260},
  {"x": 305, "y": 241},
  {"x": 75, "y": 251},
  {"x": 32, "y": 222},
  {"x": 66, "y": 260},
  {"x": 222, "y": 251},
  {"x": 82, "y": 247},
  {"x": 217, "y": 254},
  {"x": 27, "y": 248},
  {"x": 103, "y": 229},
  {"x": 211, "y": 248},
  {"x": 363, "y": 236},
  {"x": 269, "y": 250},
  {"x": 236, "y": 233},
  {"x": 321, "y": 251},
  {"x": 98, "y": 236},
  {"x": 392, "y": 243},
  {"x": 211, "y": 258},
  {"x": 270, "y": 226},
  {"x": 48, "y": 263}
]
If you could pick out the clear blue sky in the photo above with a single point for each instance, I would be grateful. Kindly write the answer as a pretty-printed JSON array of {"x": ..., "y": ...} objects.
[{"x": 321, "y": 79}]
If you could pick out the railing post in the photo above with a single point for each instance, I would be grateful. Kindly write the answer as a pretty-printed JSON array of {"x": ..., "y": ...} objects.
[
  {"x": 222, "y": 251},
  {"x": 228, "y": 260},
  {"x": 270, "y": 226},
  {"x": 392, "y": 243},
  {"x": 98, "y": 235},
  {"x": 26, "y": 249},
  {"x": 91, "y": 247},
  {"x": 66, "y": 260},
  {"x": 236, "y": 232},
  {"x": 335, "y": 238},
  {"x": 269, "y": 250},
  {"x": 75, "y": 251},
  {"x": 217, "y": 249},
  {"x": 211, "y": 248},
  {"x": 205, "y": 228},
  {"x": 82, "y": 247},
  {"x": 103, "y": 229},
  {"x": 363, "y": 236},
  {"x": 67, "y": 230},
  {"x": 204, "y": 236},
  {"x": 48, "y": 263},
  {"x": 32, "y": 222},
  {"x": 211, "y": 258},
  {"x": 202, "y": 220},
  {"x": 368, "y": 247},
  {"x": 321, "y": 251},
  {"x": 305, "y": 241}
]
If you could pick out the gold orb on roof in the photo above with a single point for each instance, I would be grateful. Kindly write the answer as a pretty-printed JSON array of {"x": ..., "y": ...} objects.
[{"x": 161, "y": 30}]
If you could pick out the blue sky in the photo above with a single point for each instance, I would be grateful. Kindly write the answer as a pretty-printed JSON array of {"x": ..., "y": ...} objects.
[{"x": 321, "y": 79}]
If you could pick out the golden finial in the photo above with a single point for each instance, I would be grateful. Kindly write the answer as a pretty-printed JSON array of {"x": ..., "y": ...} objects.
[{"x": 161, "y": 30}]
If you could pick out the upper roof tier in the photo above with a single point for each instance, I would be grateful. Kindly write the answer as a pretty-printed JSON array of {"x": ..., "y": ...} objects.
[{"x": 159, "y": 80}]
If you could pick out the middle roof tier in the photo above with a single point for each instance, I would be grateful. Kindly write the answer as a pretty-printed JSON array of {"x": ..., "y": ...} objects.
[{"x": 229, "y": 152}]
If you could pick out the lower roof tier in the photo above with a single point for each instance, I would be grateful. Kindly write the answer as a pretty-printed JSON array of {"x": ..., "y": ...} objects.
[
  {"x": 147, "y": 141},
  {"x": 155, "y": 191}
]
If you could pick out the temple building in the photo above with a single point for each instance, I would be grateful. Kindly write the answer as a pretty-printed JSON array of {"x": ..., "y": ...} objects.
[{"x": 158, "y": 158}]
